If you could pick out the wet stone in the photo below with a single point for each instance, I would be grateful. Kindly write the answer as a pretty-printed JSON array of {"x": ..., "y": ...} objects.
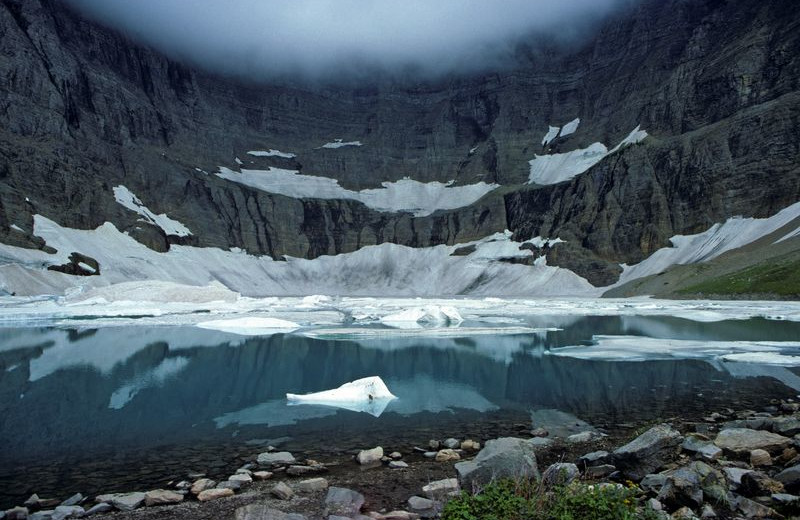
[
  {"x": 214, "y": 494},
  {"x": 282, "y": 491}
]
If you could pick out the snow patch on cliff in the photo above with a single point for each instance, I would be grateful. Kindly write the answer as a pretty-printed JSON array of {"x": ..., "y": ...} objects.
[
  {"x": 552, "y": 133},
  {"x": 337, "y": 143},
  {"x": 571, "y": 127},
  {"x": 126, "y": 198},
  {"x": 271, "y": 153},
  {"x": 408, "y": 195}
]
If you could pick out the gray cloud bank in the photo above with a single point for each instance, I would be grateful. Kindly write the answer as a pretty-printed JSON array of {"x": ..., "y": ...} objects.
[{"x": 322, "y": 38}]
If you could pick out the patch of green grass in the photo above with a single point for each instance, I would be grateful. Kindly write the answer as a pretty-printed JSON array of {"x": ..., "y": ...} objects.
[
  {"x": 779, "y": 276},
  {"x": 527, "y": 500}
]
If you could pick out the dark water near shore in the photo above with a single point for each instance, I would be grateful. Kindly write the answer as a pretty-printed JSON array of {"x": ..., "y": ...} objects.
[{"x": 131, "y": 408}]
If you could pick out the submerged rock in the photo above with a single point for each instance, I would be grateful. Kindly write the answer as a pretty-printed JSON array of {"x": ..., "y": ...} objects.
[
  {"x": 275, "y": 458},
  {"x": 343, "y": 502}
]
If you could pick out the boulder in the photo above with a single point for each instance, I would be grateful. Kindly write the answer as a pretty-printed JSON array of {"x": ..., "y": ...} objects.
[
  {"x": 276, "y": 458},
  {"x": 214, "y": 494},
  {"x": 447, "y": 455},
  {"x": 653, "y": 482},
  {"x": 199, "y": 486},
  {"x": 507, "y": 457},
  {"x": 752, "y": 509},
  {"x": 159, "y": 497},
  {"x": 760, "y": 458},
  {"x": 343, "y": 502},
  {"x": 560, "y": 474},
  {"x": 681, "y": 489},
  {"x": 741, "y": 441},
  {"x": 62, "y": 512},
  {"x": 787, "y": 426},
  {"x": 123, "y": 501},
  {"x": 312, "y": 484},
  {"x": 757, "y": 484},
  {"x": 790, "y": 478},
  {"x": 702, "y": 448},
  {"x": 440, "y": 489},
  {"x": 371, "y": 456},
  {"x": 282, "y": 491},
  {"x": 264, "y": 512},
  {"x": 648, "y": 452}
]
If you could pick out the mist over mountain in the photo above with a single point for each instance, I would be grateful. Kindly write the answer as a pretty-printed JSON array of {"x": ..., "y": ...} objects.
[{"x": 327, "y": 39}]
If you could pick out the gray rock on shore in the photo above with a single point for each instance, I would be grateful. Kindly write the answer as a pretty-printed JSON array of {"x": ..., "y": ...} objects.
[
  {"x": 160, "y": 497},
  {"x": 264, "y": 512},
  {"x": 276, "y": 458},
  {"x": 500, "y": 458},
  {"x": 648, "y": 452},
  {"x": 343, "y": 502},
  {"x": 123, "y": 501},
  {"x": 741, "y": 441},
  {"x": 371, "y": 456}
]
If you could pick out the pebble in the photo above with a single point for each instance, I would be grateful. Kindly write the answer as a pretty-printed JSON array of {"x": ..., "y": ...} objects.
[
  {"x": 262, "y": 475},
  {"x": 233, "y": 485},
  {"x": 244, "y": 478},
  {"x": 160, "y": 497},
  {"x": 470, "y": 445},
  {"x": 214, "y": 494},
  {"x": 275, "y": 458},
  {"x": 760, "y": 458},
  {"x": 397, "y": 464},
  {"x": 430, "y": 454},
  {"x": 282, "y": 491},
  {"x": 539, "y": 432},
  {"x": 396, "y": 455},
  {"x": 451, "y": 443},
  {"x": 201, "y": 485}
]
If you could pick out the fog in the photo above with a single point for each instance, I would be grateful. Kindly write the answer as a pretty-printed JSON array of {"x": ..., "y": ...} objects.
[{"x": 326, "y": 38}]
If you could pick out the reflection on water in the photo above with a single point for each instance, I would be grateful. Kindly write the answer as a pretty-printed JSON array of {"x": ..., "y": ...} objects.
[{"x": 69, "y": 396}]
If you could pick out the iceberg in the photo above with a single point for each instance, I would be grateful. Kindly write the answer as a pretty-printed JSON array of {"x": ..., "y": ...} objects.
[
  {"x": 251, "y": 326},
  {"x": 368, "y": 394},
  {"x": 429, "y": 315}
]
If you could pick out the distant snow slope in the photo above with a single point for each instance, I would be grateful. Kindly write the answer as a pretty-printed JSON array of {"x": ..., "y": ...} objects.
[
  {"x": 719, "y": 238},
  {"x": 374, "y": 270},
  {"x": 404, "y": 195},
  {"x": 560, "y": 167},
  {"x": 171, "y": 227}
]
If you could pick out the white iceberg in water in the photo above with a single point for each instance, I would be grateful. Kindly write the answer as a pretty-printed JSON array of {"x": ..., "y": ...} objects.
[
  {"x": 369, "y": 395},
  {"x": 418, "y": 317},
  {"x": 251, "y": 326}
]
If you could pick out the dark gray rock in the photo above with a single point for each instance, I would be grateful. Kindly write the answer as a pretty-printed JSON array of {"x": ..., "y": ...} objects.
[
  {"x": 264, "y": 512},
  {"x": 62, "y": 512},
  {"x": 701, "y": 447},
  {"x": 752, "y": 509},
  {"x": 788, "y": 426},
  {"x": 74, "y": 500},
  {"x": 648, "y": 452},
  {"x": 235, "y": 485},
  {"x": 100, "y": 508},
  {"x": 741, "y": 441},
  {"x": 653, "y": 482},
  {"x": 757, "y": 484},
  {"x": 560, "y": 474},
  {"x": 790, "y": 478},
  {"x": 682, "y": 488},
  {"x": 343, "y": 502},
  {"x": 601, "y": 471},
  {"x": 507, "y": 457},
  {"x": 282, "y": 491},
  {"x": 123, "y": 501},
  {"x": 594, "y": 458}
]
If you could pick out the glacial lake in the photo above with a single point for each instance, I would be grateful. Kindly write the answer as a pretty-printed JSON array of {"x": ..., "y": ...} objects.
[{"x": 128, "y": 408}]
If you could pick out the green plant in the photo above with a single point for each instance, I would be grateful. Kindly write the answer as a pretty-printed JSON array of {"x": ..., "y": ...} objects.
[{"x": 526, "y": 500}]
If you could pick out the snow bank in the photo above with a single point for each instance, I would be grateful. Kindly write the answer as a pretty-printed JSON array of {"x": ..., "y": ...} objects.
[
  {"x": 373, "y": 270},
  {"x": 552, "y": 133},
  {"x": 127, "y": 199},
  {"x": 428, "y": 316},
  {"x": 764, "y": 358},
  {"x": 251, "y": 326},
  {"x": 719, "y": 238},
  {"x": 369, "y": 394},
  {"x": 271, "y": 153},
  {"x": 408, "y": 195},
  {"x": 151, "y": 291},
  {"x": 560, "y": 167},
  {"x": 337, "y": 143}
]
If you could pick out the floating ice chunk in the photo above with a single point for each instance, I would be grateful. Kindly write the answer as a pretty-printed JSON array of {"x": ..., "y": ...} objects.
[
  {"x": 314, "y": 300},
  {"x": 559, "y": 167},
  {"x": 271, "y": 153},
  {"x": 764, "y": 358},
  {"x": 251, "y": 326},
  {"x": 551, "y": 134},
  {"x": 429, "y": 315},
  {"x": 369, "y": 395},
  {"x": 571, "y": 127},
  {"x": 171, "y": 227},
  {"x": 337, "y": 143}
]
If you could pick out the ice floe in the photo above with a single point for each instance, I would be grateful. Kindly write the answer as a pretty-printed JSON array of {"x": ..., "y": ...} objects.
[
  {"x": 251, "y": 326},
  {"x": 127, "y": 199},
  {"x": 427, "y": 316},
  {"x": 368, "y": 394},
  {"x": 404, "y": 195}
]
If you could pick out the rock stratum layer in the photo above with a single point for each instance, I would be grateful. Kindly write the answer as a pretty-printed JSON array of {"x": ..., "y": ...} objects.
[{"x": 716, "y": 85}]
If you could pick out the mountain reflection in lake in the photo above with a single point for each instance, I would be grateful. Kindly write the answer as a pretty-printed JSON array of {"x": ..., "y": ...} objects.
[{"x": 90, "y": 401}]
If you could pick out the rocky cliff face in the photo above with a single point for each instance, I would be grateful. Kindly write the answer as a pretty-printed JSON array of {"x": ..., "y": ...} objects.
[{"x": 716, "y": 85}]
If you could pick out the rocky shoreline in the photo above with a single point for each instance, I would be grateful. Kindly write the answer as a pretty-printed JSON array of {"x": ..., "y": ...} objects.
[{"x": 730, "y": 465}]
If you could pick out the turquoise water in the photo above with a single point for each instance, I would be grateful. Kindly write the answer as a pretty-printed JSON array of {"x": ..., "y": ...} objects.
[{"x": 125, "y": 408}]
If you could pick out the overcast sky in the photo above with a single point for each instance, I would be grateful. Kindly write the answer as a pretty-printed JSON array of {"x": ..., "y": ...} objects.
[{"x": 317, "y": 38}]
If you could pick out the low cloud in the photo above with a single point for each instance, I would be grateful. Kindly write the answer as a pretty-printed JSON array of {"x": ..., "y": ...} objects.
[{"x": 327, "y": 38}]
